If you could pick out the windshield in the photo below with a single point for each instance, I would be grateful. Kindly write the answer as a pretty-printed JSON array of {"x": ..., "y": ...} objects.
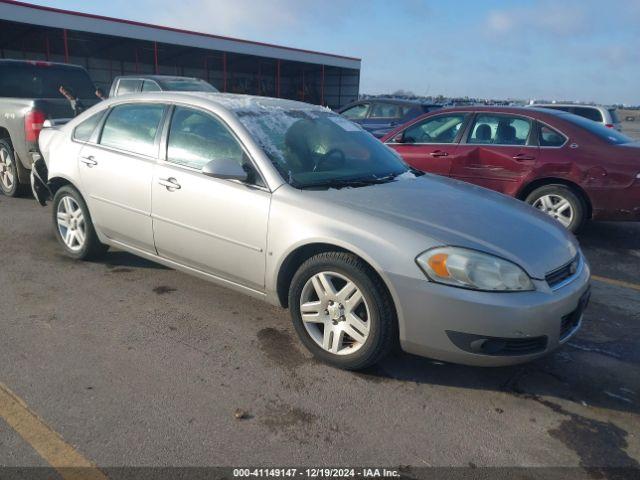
[
  {"x": 609, "y": 135},
  {"x": 186, "y": 85},
  {"x": 319, "y": 148},
  {"x": 43, "y": 80}
]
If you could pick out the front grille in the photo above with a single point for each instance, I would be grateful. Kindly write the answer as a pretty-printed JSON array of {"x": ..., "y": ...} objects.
[{"x": 559, "y": 275}]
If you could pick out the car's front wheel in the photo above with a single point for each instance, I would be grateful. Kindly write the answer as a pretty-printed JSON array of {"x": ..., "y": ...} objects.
[
  {"x": 341, "y": 311},
  {"x": 73, "y": 227},
  {"x": 560, "y": 203}
]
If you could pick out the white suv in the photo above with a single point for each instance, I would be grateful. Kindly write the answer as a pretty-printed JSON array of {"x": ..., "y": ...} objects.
[{"x": 604, "y": 115}]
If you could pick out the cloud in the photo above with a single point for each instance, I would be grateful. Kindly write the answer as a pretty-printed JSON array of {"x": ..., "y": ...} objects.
[{"x": 545, "y": 17}]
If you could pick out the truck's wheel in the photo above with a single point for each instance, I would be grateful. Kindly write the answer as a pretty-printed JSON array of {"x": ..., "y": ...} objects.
[{"x": 9, "y": 182}]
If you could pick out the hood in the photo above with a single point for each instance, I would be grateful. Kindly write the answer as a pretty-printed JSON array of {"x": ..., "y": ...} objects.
[{"x": 450, "y": 212}]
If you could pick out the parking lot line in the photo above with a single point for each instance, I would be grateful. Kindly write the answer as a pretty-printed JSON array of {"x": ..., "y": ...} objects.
[
  {"x": 618, "y": 283},
  {"x": 69, "y": 463}
]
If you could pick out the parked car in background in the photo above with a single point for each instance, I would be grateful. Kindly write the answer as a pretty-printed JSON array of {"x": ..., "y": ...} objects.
[
  {"x": 297, "y": 206},
  {"x": 380, "y": 116},
  {"x": 569, "y": 167},
  {"x": 30, "y": 94},
  {"x": 608, "y": 116},
  {"x": 127, "y": 84}
]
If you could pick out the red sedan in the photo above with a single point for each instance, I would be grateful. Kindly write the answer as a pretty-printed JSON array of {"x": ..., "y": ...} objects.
[{"x": 565, "y": 165}]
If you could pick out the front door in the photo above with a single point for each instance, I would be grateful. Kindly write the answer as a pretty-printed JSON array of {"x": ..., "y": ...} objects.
[
  {"x": 498, "y": 152},
  {"x": 215, "y": 226},
  {"x": 430, "y": 144},
  {"x": 116, "y": 173}
]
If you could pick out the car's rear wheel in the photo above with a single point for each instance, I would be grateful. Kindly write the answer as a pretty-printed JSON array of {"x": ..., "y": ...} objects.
[
  {"x": 9, "y": 182},
  {"x": 560, "y": 203},
  {"x": 73, "y": 227},
  {"x": 342, "y": 311}
]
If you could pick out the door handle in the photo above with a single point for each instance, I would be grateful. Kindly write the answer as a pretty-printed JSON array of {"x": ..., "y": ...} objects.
[
  {"x": 89, "y": 161},
  {"x": 439, "y": 153},
  {"x": 170, "y": 183},
  {"x": 523, "y": 156}
]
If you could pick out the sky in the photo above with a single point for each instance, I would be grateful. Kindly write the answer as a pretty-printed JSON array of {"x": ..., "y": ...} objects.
[{"x": 580, "y": 50}]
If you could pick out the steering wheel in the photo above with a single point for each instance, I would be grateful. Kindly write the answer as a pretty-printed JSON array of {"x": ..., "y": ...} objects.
[{"x": 335, "y": 157}]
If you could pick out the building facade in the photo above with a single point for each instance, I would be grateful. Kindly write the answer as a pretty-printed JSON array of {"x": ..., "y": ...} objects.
[{"x": 108, "y": 47}]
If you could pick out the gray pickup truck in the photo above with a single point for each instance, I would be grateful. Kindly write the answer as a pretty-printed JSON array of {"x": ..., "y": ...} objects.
[{"x": 29, "y": 95}]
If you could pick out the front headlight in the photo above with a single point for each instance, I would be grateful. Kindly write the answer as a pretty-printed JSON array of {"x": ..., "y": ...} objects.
[{"x": 471, "y": 269}]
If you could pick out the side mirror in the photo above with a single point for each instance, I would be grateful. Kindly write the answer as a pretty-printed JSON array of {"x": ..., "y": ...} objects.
[
  {"x": 226, "y": 169},
  {"x": 399, "y": 138}
]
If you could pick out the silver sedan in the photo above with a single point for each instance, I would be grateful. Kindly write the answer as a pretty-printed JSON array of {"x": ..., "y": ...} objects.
[{"x": 293, "y": 204}]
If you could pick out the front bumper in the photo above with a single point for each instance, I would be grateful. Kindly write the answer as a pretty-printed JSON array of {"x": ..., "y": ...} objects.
[{"x": 450, "y": 324}]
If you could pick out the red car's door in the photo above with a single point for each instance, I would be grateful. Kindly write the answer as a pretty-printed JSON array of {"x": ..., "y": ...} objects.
[
  {"x": 430, "y": 144},
  {"x": 496, "y": 153}
]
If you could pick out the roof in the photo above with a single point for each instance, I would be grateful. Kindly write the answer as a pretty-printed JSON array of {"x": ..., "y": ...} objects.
[
  {"x": 156, "y": 77},
  {"x": 229, "y": 101},
  {"x": 59, "y": 18}
]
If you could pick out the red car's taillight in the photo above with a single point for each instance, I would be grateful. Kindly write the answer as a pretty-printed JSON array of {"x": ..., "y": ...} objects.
[{"x": 33, "y": 124}]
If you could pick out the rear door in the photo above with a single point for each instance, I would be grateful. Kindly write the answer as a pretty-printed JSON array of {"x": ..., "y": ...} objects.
[
  {"x": 116, "y": 173},
  {"x": 430, "y": 144},
  {"x": 498, "y": 152}
]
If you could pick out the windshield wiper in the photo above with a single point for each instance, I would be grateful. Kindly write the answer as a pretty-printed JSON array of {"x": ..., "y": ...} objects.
[{"x": 354, "y": 182}]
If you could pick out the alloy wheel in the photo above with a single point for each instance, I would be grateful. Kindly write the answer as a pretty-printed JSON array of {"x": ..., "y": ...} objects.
[
  {"x": 557, "y": 207},
  {"x": 71, "y": 223},
  {"x": 335, "y": 313},
  {"x": 7, "y": 170}
]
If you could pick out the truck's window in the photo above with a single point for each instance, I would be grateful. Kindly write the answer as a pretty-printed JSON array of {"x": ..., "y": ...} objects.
[
  {"x": 43, "y": 80},
  {"x": 128, "y": 85},
  {"x": 84, "y": 131},
  {"x": 150, "y": 86},
  {"x": 133, "y": 128}
]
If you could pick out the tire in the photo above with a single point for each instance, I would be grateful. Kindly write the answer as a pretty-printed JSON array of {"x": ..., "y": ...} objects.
[
  {"x": 75, "y": 232},
  {"x": 374, "y": 326},
  {"x": 549, "y": 197},
  {"x": 10, "y": 170}
]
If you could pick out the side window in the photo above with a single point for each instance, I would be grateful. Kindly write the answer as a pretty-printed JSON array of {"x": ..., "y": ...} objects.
[
  {"x": 128, "y": 85},
  {"x": 500, "y": 130},
  {"x": 548, "y": 137},
  {"x": 150, "y": 86},
  {"x": 357, "y": 112},
  {"x": 85, "y": 129},
  {"x": 196, "y": 138},
  {"x": 133, "y": 127},
  {"x": 590, "y": 113},
  {"x": 440, "y": 129},
  {"x": 385, "y": 110}
]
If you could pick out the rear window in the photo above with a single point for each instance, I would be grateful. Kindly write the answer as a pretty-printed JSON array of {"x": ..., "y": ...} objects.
[
  {"x": 614, "y": 115},
  {"x": 609, "y": 135},
  {"x": 590, "y": 113},
  {"x": 42, "y": 80},
  {"x": 187, "y": 85}
]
